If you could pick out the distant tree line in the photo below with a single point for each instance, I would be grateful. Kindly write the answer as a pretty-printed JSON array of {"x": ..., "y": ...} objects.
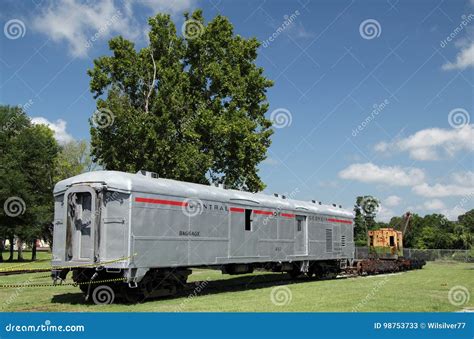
[{"x": 430, "y": 231}]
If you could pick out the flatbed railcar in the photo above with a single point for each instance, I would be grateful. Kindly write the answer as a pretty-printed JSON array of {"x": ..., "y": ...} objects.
[{"x": 139, "y": 236}]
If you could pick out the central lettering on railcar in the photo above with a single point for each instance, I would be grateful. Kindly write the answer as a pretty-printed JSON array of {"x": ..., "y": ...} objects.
[
  {"x": 214, "y": 207},
  {"x": 207, "y": 207},
  {"x": 189, "y": 233}
]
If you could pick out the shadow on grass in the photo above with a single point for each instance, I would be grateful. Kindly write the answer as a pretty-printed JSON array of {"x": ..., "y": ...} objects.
[
  {"x": 204, "y": 287},
  {"x": 69, "y": 298}
]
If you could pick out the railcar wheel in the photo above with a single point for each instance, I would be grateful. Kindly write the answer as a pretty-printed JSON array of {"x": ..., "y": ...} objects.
[
  {"x": 103, "y": 295},
  {"x": 295, "y": 273},
  {"x": 131, "y": 295}
]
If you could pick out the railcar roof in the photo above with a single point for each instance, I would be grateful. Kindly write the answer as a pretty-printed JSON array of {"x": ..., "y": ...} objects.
[{"x": 130, "y": 182}]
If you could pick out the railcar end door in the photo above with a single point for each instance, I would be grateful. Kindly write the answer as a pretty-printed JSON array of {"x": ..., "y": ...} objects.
[{"x": 301, "y": 235}]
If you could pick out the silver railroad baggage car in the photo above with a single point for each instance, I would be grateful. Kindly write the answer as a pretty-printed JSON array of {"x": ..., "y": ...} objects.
[{"x": 136, "y": 235}]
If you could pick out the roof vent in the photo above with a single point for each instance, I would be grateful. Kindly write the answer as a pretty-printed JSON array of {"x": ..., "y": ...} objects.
[
  {"x": 276, "y": 195},
  {"x": 221, "y": 186},
  {"x": 340, "y": 206},
  {"x": 283, "y": 196},
  {"x": 313, "y": 201},
  {"x": 334, "y": 205},
  {"x": 148, "y": 174},
  {"x": 320, "y": 202}
]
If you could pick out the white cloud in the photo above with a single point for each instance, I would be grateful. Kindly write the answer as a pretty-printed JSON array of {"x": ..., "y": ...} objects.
[
  {"x": 462, "y": 184},
  {"x": 271, "y": 161},
  {"x": 299, "y": 31},
  {"x": 464, "y": 59},
  {"x": 168, "y": 6},
  {"x": 58, "y": 127},
  {"x": 432, "y": 143},
  {"x": 384, "y": 214},
  {"x": 453, "y": 213},
  {"x": 81, "y": 25},
  {"x": 440, "y": 190},
  {"x": 392, "y": 200},
  {"x": 394, "y": 176},
  {"x": 464, "y": 178},
  {"x": 434, "y": 204}
]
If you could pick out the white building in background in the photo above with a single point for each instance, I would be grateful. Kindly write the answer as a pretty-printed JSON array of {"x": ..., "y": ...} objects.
[{"x": 41, "y": 245}]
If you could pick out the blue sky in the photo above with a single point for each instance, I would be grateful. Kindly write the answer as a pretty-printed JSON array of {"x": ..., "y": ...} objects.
[{"x": 370, "y": 97}]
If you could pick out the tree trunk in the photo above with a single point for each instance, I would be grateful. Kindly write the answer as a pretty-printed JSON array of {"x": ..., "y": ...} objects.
[
  {"x": 2, "y": 248},
  {"x": 33, "y": 250},
  {"x": 20, "y": 250},
  {"x": 12, "y": 249}
]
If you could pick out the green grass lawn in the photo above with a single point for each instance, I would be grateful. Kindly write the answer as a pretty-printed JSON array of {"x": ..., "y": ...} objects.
[{"x": 413, "y": 291}]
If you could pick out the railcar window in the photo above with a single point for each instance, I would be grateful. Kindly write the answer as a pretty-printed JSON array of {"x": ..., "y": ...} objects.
[
  {"x": 371, "y": 240},
  {"x": 248, "y": 220},
  {"x": 299, "y": 225}
]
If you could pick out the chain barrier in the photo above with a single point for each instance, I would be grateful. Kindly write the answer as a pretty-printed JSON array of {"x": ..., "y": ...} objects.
[
  {"x": 46, "y": 269},
  {"x": 23, "y": 285},
  {"x": 40, "y": 270}
]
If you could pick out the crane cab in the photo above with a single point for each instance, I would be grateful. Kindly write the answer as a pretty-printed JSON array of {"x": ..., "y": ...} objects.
[{"x": 385, "y": 243}]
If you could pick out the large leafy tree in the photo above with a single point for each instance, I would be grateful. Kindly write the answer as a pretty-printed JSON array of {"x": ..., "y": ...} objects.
[
  {"x": 188, "y": 107},
  {"x": 28, "y": 158}
]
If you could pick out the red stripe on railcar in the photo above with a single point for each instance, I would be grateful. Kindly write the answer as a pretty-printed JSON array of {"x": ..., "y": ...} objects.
[
  {"x": 287, "y": 215},
  {"x": 263, "y": 212},
  {"x": 237, "y": 210},
  {"x": 341, "y": 221},
  {"x": 161, "y": 202}
]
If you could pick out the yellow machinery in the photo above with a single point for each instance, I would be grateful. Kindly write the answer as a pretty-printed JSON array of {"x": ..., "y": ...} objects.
[{"x": 386, "y": 243}]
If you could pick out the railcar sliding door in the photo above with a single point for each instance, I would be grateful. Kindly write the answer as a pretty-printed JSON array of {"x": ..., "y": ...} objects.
[{"x": 243, "y": 235}]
